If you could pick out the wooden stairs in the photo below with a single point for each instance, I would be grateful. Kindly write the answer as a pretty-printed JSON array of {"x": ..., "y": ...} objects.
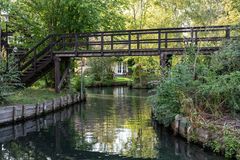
[{"x": 37, "y": 62}]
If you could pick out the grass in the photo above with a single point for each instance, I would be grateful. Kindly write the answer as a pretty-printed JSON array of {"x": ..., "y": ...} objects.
[
  {"x": 122, "y": 79},
  {"x": 33, "y": 96},
  {"x": 116, "y": 81}
]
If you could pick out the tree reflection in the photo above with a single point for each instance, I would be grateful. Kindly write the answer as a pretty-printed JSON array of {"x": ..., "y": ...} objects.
[{"x": 113, "y": 124}]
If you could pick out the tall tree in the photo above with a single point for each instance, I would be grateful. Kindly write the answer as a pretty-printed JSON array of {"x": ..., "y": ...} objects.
[{"x": 36, "y": 18}]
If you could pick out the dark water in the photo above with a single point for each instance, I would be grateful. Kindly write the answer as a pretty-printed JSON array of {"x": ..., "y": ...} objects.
[{"x": 112, "y": 124}]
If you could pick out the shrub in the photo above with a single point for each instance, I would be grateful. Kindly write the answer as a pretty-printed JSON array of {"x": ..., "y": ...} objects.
[
  {"x": 101, "y": 68},
  {"x": 9, "y": 79},
  {"x": 198, "y": 83}
]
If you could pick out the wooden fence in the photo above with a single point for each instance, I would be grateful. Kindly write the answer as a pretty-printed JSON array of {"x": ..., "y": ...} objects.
[
  {"x": 15, "y": 131},
  {"x": 12, "y": 114}
]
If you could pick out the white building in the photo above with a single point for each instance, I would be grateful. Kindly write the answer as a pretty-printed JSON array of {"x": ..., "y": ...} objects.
[{"x": 120, "y": 68}]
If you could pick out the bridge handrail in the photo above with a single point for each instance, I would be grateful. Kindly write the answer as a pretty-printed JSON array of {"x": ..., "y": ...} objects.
[
  {"x": 54, "y": 37},
  {"x": 180, "y": 29},
  {"x": 33, "y": 60},
  {"x": 37, "y": 45}
]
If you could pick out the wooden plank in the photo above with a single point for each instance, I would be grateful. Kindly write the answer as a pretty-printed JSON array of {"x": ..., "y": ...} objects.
[
  {"x": 163, "y": 60},
  {"x": 166, "y": 40},
  {"x": 63, "y": 78},
  {"x": 36, "y": 110},
  {"x": 159, "y": 42},
  {"x": 53, "y": 105},
  {"x": 196, "y": 38},
  {"x": 228, "y": 32},
  {"x": 102, "y": 44},
  {"x": 44, "y": 108},
  {"x": 18, "y": 131},
  {"x": 23, "y": 111},
  {"x": 14, "y": 114},
  {"x": 112, "y": 42},
  {"x": 129, "y": 43},
  {"x": 57, "y": 73}
]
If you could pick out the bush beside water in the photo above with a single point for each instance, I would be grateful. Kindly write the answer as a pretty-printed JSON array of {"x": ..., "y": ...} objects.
[{"x": 202, "y": 84}]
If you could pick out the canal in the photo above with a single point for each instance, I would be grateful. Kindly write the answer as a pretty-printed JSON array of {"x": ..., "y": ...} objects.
[{"x": 114, "y": 123}]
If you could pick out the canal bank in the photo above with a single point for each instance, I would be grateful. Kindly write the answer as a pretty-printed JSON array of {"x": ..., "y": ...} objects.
[
  {"x": 23, "y": 112},
  {"x": 114, "y": 123},
  {"x": 218, "y": 135}
]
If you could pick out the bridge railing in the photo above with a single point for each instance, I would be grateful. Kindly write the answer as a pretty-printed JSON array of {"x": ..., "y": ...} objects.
[
  {"x": 130, "y": 42},
  {"x": 151, "y": 41},
  {"x": 41, "y": 49}
]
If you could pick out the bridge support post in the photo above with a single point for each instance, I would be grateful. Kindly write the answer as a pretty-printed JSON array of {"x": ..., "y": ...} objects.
[
  {"x": 165, "y": 61},
  {"x": 57, "y": 73},
  {"x": 67, "y": 67}
]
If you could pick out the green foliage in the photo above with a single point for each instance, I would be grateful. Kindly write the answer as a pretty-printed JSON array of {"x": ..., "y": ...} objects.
[
  {"x": 232, "y": 144},
  {"x": 176, "y": 91},
  {"x": 227, "y": 142},
  {"x": 221, "y": 88},
  {"x": 165, "y": 102},
  {"x": 33, "y": 96},
  {"x": 76, "y": 82},
  {"x": 34, "y": 19},
  {"x": 216, "y": 146},
  {"x": 144, "y": 70},
  {"x": 100, "y": 69},
  {"x": 200, "y": 83},
  {"x": 9, "y": 79},
  {"x": 236, "y": 4}
]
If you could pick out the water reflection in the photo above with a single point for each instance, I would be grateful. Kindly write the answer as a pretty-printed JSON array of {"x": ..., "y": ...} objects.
[{"x": 112, "y": 124}]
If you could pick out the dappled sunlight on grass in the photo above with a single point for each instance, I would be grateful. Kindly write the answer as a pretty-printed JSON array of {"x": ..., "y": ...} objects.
[
  {"x": 122, "y": 79},
  {"x": 32, "y": 96}
]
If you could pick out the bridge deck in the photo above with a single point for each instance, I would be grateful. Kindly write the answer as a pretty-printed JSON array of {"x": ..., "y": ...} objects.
[
  {"x": 47, "y": 53},
  {"x": 136, "y": 52},
  {"x": 143, "y": 42}
]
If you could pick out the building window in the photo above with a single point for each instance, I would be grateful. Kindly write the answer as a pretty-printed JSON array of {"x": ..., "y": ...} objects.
[
  {"x": 124, "y": 68},
  {"x": 119, "y": 67}
]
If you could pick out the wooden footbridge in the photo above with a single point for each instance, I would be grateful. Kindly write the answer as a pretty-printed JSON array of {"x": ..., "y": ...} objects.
[{"x": 163, "y": 42}]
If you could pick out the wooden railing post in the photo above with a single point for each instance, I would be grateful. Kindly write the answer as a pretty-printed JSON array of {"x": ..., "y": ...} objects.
[
  {"x": 138, "y": 44},
  {"x": 228, "y": 32},
  {"x": 162, "y": 56},
  {"x": 102, "y": 44},
  {"x": 112, "y": 42},
  {"x": 129, "y": 43},
  {"x": 87, "y": 42},
  {"x": 23, "y": 112},
  {"x": 159, "y": 42},
  {"x": 196, "y": 37},
  {"x": 166, "y": 40},
  {"x": 192, "y": 35},
  {"x": 13, "y": 114},
  {"x": 57, "y": 73},
  {"x": 162, "y": 60},
  {"x": 76, "y": 44}
]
